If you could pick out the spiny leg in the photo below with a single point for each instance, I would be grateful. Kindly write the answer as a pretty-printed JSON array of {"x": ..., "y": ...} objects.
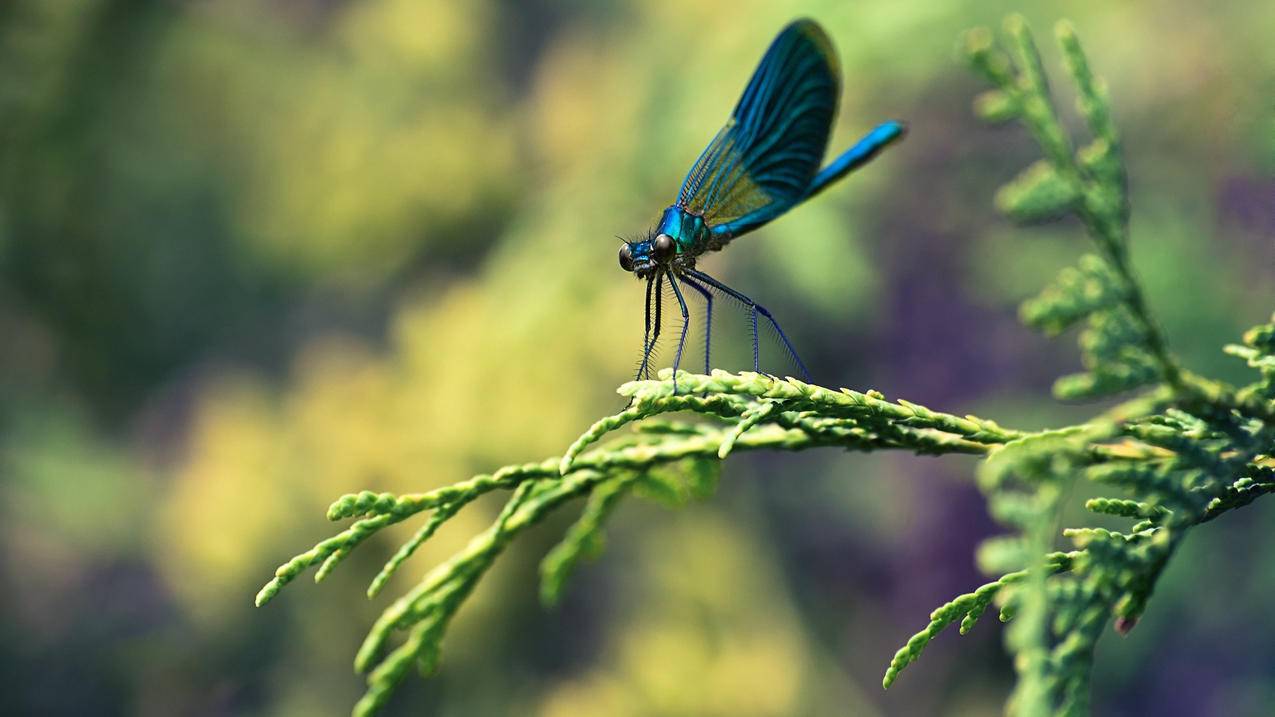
[
  {"x": 752, "y": 323},
  {"x": 708, "y": 320},
  {"x": 658, "y": 297},
  {"x": 754, "y": 309},
  {"x": 752, "y": 319},
  {"x": 686, "y": 324},
  {"x": 646, "y": 331},
  {"x": 656, "y": 294}
]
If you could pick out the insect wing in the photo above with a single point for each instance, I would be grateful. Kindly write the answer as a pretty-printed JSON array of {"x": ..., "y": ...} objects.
[{"x": 762, "y": 162}]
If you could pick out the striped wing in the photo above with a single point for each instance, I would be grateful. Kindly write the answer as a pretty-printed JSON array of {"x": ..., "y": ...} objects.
[{"x": 762, "y": 162}]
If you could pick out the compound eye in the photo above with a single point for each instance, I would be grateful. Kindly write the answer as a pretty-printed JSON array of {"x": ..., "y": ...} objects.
[
  {"x": 663, "y": 247},
  {"x": 626, "y": 258}
]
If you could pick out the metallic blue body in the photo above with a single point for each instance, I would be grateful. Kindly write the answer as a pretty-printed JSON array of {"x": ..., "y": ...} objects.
[
  {"x": 688, "y": 230},
  {"x": 694, "y": 236},
  {"x": 766, "y": 160}
]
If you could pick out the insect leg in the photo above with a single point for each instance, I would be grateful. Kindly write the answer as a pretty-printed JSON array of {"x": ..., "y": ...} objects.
[
  {"x": 754, "y": 309},
  {"x": 646, "y": 331},
  {"x": 686, "y": 324},
  {"x": 656, "y": 294},
  {"x": 752, "y": 321},
  {"x": 708, "y": 320}
]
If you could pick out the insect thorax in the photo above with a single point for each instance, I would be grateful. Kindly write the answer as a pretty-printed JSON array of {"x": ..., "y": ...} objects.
[{"x": 688, "y": 230}]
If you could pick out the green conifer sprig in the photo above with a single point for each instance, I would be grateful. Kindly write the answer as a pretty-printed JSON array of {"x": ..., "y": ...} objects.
[
  {"x": 1183, "y": 452},
  {"x": 1123, "y": 348},
  {"x": 670, "y": 461},
  {"x": 1258, "y": 350}
]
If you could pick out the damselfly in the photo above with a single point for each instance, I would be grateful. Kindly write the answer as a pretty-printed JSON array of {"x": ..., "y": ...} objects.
[{"x": 765, "y": 161}]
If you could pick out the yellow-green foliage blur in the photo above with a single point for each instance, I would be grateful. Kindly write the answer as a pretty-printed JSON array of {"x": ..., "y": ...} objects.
[{"x": 256, "y": 255}]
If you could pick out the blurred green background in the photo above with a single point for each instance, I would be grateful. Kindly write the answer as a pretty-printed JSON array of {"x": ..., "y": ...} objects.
[{"x": 255, "y": 255}]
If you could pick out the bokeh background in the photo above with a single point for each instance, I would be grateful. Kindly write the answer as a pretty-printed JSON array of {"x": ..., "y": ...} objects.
[{"x": 255, "y": 255}]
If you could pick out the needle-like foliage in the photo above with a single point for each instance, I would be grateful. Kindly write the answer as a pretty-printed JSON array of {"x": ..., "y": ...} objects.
[{"x": 1183, "y": 452}]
